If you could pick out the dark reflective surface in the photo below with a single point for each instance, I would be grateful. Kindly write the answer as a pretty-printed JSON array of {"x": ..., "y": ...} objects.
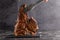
[{"x": 47, "y": 15}]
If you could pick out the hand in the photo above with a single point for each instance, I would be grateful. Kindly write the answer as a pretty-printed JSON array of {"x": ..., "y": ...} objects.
[{"x": 45, "y": 0}]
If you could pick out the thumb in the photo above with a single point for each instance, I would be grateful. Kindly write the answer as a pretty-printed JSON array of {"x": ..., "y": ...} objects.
[{"x": 45, "y": 0}]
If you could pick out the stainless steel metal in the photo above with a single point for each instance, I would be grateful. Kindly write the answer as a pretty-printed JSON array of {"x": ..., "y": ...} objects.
[{"x": 31, "y": 6}]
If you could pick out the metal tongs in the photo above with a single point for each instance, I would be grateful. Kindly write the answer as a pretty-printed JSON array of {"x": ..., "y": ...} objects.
[{"x": 31, "y": 6}]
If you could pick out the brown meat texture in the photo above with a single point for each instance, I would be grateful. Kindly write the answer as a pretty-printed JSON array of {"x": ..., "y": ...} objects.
[{"x": 24, "y": 25}]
